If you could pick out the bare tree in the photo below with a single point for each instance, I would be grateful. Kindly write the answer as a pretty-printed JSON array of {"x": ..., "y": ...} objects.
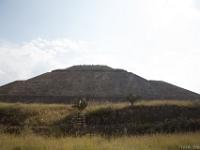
[{"x": 132, "y": 98}]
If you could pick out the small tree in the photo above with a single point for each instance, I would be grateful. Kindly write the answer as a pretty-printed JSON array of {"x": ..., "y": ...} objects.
[
  {"x": 81, "y": 104},
  {"x": 132, "y": 98}
]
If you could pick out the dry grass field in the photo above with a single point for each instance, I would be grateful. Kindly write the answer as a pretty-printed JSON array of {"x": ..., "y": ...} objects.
[
  {"x": 33, "y": 115},
  {"x": 143, "y": 142}
]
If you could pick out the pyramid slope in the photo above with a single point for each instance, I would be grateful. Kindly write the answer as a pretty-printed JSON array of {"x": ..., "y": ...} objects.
[
  {"x": 164, "y": 90},
  {"x": 96, "y": 82}
]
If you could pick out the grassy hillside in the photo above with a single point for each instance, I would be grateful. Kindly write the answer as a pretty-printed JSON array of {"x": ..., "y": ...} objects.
[
  {"x": 101, "y": 118},
  {"x": 145, "y": 142}
]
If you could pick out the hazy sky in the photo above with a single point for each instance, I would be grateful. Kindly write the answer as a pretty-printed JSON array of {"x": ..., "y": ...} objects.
[{"x": 156, "y": 39}]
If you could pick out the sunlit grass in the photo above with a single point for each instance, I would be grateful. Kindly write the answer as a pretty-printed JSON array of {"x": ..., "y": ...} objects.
[
  {"x": 40, "y": 113},
  {"x": 33, "y": 105},
  {"x": 145, "y": 142},
  {"x": 185, "y": 103},
  {"x": 94, "y": 106}
]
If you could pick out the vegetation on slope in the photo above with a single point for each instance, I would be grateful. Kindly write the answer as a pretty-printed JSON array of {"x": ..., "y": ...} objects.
[{"x": 102, "y": 119}]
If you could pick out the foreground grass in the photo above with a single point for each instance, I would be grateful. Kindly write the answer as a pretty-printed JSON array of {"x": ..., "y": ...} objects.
[
  {"x": 145, "y": 142},
  {"x": 46, "y": 114}
]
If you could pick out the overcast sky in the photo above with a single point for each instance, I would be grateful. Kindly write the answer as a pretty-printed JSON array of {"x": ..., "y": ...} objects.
[{"x": 156, "y": 39}]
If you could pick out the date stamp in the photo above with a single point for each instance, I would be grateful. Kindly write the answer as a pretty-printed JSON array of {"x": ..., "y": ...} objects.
[{"x": 189, "y": 147}]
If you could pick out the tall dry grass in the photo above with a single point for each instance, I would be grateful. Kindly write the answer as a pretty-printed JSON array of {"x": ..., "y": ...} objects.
[{"x": 145, "y": 142}]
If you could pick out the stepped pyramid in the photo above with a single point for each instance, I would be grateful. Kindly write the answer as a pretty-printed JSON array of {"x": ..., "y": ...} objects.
[{"x": 95, "y": 82}]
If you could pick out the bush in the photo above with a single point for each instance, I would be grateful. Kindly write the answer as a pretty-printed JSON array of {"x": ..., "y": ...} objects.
[
  {"x": 132, "y": 98},
  {"x": 81, "y": 104}
]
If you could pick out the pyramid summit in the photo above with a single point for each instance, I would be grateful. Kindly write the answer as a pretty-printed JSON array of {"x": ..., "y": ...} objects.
[
  {"x": 89, "y": 68},
  {"x": 96, "y": 82}
]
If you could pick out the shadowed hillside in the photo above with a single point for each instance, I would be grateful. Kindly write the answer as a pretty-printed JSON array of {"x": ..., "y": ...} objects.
[{"x": 93, "y": 81}]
